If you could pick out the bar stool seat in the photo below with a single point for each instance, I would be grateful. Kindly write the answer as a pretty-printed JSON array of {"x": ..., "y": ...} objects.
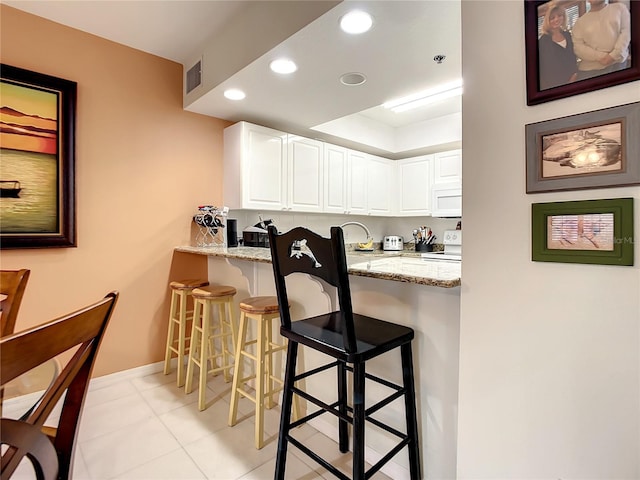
[
  {"x": 179, "y": 316},
  {"x": 263, "y": 310},
  {"x": 212, "y": 342}
]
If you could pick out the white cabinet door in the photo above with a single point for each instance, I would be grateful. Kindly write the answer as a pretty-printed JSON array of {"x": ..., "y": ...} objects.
[
  {"x": 304, "y": 175},
  {"x": 447, "y": 167},
  {"x": 357, "y": 183},
  {"x": 335, "y": 179},
  {"x": 255, "y": 160},
  {"x": 447, "y": 200},
  {"x": 414, "y": 186},
  {"x": 381, "y": 174}
]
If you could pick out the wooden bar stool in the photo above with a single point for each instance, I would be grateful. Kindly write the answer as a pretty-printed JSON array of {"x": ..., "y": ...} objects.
[
  {"x": 211, "y": 343},
  {"x": 263, "y": 310},
  {"x": 179, "y": 316}
]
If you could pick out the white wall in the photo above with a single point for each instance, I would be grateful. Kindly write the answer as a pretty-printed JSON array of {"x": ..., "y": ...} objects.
[{"x": 549, "y": 353}]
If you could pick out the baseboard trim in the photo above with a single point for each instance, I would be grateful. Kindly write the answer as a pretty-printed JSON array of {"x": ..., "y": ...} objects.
[{"x": 142, "y": 371}]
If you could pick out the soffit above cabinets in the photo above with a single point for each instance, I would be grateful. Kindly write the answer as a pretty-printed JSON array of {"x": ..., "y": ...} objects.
[{"x": 396, "y": 56}]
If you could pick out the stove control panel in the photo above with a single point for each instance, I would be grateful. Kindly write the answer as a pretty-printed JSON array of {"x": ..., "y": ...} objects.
[{"x": 452, "y": 237}]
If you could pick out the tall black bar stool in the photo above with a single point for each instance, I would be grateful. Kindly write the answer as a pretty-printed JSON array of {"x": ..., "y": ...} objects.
[{"x": 351, "y": 339}]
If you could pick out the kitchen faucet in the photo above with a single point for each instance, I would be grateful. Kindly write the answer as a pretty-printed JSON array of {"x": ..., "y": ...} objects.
[{"x": 368, "y": 245}]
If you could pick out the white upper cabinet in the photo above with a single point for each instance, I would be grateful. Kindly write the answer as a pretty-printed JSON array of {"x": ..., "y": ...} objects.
[
  {"x": 254, "y": 171},
  {"x": 414, "y": 179},
  {"x": 447, "y": 184},
  {"x": 447, "y": 167},
  {"x": 380, "y": 186},
  {"x": 305, "y": 173},
  {"x": 265, "y": 169},
  {"x": 357, "y": 183},
  {"x": 335, "y": 179}
]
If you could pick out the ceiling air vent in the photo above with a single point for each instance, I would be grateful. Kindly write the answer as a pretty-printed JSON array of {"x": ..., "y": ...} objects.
[{"x": 194, "y": 76}]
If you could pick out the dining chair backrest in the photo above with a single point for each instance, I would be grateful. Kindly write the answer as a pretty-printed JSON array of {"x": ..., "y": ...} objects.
[
  {"x": 302, "y": 251},
  {"x": 12, "y": 284},
  {"x": 81, "y": 333}
]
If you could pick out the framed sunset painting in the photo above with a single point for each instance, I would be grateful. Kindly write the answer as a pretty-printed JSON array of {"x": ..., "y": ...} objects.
[{"x": 37, "y": 168}]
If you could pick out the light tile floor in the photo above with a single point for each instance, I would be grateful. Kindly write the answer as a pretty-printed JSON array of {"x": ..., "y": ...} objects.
[{"x": 146, "y": 428}]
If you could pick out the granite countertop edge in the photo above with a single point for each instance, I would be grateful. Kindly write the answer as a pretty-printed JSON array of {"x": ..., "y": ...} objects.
[{"x": 263, "y": 255}]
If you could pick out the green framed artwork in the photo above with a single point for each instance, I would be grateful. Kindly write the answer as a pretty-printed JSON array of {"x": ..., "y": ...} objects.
[
  {"x": 37, "y": 167},
  {"x": 586, "y": 231}
]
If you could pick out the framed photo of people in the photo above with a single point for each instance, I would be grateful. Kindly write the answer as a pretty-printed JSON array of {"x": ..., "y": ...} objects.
[{"x": 578, "y": 46}]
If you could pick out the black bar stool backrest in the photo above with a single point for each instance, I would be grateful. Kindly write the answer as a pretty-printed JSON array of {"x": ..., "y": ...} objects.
[{"x": 302, "y": 251}]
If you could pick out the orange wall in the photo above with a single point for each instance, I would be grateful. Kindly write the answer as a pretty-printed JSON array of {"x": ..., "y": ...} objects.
[{"x": 143, "y": 164}]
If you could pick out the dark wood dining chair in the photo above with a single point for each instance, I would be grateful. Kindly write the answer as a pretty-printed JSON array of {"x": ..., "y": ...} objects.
[
  {"x": 81, "y": 333},
  {"x": 351, "y": 340},
  {"x": 30, "y": 440},
  {"x": 12, "y": 284}
]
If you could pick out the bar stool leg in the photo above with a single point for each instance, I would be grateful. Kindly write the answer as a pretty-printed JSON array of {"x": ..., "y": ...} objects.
[
  {"x": 358, "y": 420},
  {"x": 224, "y": 341},
  {"x": 260, "y": 381},
  {"x": 171, "y": 332},
  {"x": 205, "y": 354},
  {"x": 182, "y": 328},
  {"x": 343, "y": 425},
  {"x": 269, "y": 363},
  {"x": 196, "y": 335},
  {"x": 410, "y": 409},
  {"x": 239, "y": 370},
  {"x": 285, "y": 416}
]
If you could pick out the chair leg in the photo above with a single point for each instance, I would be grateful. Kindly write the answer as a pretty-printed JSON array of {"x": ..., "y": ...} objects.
[
  {"x": 238, "y": 370},
  {"x": 285, "y": 416},
  {"x": 358, "y": 420},
  {"x": 410, "y": 409},
  {"x": 343, "y": 425}
]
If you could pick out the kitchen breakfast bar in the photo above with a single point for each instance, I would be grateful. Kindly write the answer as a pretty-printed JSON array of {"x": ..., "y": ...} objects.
[{"x": 402, "y": 288}]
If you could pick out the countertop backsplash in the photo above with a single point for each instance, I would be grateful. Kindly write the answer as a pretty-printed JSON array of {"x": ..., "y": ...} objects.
[{"x": 321, "y": 223}]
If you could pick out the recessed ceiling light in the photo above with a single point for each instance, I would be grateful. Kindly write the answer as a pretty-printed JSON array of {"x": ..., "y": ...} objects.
[
  {"x": 234, "y": 94},
  {"x": 352, "y": 79},
  {"x": 283, "y": 65},
  {"x": 356, "y": 21}
]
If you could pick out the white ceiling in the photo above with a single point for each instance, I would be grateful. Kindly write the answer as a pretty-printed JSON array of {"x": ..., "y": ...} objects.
[{"x": 396, "y": 56}]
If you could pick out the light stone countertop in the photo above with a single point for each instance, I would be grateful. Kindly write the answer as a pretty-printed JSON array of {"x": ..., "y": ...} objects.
[{"x": 405, "y": 266}]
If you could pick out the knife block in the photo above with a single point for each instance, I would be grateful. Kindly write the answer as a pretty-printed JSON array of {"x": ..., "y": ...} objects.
[{"x": 424, "y": 247}]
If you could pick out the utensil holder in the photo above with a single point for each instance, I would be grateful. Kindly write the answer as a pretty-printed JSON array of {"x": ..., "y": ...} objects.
[{"x": 424, "y": 247}]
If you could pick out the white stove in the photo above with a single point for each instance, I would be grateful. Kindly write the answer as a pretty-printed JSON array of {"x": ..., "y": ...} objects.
[{"x": 452, "y": 247}]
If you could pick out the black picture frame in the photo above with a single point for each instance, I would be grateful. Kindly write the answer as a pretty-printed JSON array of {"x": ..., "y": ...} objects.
[
  {"x": 536, "y": 96},
  {"x": 618, "y": 215},
  {"x": 29, "y": 140},
  {"x": 590, "y": 126}
]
